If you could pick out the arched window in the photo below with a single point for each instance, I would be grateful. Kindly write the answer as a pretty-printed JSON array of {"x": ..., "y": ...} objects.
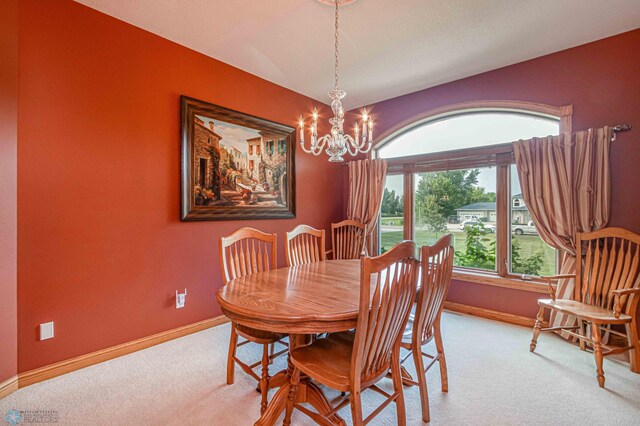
[
  {"x": 468, "y": 130},
  {"x": 451, "y": 171}
]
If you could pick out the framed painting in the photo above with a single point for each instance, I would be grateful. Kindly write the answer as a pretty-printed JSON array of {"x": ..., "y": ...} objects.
[{"x": 235, "y": 166}]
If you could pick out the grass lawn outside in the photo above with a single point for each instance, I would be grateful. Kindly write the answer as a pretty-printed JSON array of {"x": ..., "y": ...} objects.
[
  {"x": 392, "y": 221},
  {"x": 529, "y": 244}
]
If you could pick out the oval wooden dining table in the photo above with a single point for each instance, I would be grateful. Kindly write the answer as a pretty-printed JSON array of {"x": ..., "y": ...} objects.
[{"x": 301, "y": 301}]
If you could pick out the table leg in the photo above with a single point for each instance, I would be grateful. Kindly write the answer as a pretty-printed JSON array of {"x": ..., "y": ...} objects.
[
  {"x": 316, "y": 398},
  {"x": 275, "y": 407},
  {"x": 279, "y": 379},
  {"x": 307, "y": 392}
]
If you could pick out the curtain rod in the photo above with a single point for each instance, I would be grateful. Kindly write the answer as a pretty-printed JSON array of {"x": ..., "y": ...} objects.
[{"x": 616, "y": 129}]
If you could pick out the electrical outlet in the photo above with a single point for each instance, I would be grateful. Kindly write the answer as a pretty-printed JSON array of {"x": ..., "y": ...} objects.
[
  {"x": 180, "y": 299},
  {"x": 46, "y": 330}
]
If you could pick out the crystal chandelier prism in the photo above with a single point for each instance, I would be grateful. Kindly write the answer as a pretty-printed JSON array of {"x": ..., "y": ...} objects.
[{"x": 337, "y": 143}]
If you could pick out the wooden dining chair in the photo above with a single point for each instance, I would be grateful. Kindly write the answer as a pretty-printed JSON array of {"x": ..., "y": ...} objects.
[
  {"x": 436, "y": 266},
  {"x": 352, "y": 362},
  {"x": 606, "y": 293},
  {"x": 244, "y": 252},
  {"x": 348, "y": 239},
  {"x": 305, "y": 245}
]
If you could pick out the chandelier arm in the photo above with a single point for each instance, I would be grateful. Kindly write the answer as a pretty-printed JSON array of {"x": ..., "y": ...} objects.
[
  {"x": 305, "y": 149},
  {"x": 363, "y": 147},
  {"x": 367, "y": 149},
  {"x": 321, "y": 143},
  {"x": 313, "y": 151},
  {"x": 360, "y": 143},
  {"x": 352, "y": 146},
  {"x": 316, "y": 147}
]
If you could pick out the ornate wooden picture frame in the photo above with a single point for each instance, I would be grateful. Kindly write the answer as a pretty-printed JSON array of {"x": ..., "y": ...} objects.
[{"x": 235, "y": 166}]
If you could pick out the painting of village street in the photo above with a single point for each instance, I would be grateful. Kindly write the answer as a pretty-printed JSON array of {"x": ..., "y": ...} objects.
[
  {"x": 235, "y": 166},
  {"x": 238, "y": 166}
]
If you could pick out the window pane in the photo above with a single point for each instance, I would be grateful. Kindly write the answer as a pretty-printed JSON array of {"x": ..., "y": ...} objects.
[
  {"x": 391, "y": 213},
  {"x": 529, "y": 254},
  {"x": 468, "y": 130},
  {"x": 463, "y": 203}
]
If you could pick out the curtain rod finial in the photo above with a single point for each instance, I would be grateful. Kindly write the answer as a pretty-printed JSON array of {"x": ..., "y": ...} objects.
[{"x": 621, "y": 127}]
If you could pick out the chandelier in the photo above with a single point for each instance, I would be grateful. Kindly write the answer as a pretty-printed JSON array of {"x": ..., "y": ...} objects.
[{"x": 337, "y": 143}]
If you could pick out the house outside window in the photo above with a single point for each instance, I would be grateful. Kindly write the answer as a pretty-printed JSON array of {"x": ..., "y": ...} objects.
[{"x": 461, "y": 179}]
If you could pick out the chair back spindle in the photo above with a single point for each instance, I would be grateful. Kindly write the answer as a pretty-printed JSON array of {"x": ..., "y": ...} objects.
[
  {"x": 305, "y": 245},
  {"x": 348, "y": 239},
  {"x": 610, "y": 261},
  {"x": 247, "y": 251}
]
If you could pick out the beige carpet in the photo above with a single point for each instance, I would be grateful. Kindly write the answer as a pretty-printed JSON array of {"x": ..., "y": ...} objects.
[{"x": 493, "y": 380}]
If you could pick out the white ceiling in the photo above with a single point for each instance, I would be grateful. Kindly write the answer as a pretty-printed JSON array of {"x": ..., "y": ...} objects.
[{"x": 388, "y": 47}]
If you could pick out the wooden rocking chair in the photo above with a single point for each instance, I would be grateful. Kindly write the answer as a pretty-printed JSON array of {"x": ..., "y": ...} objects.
[{"x": 606, "y": 294}]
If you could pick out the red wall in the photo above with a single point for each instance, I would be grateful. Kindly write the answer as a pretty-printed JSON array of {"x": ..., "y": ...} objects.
[
  {"x": 102, "y": 249},
  {"x": 8, "y": 187},
  {"x": 601, "y": 81}
]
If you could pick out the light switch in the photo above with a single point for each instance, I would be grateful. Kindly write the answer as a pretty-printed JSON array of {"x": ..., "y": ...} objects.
[{"x": 46, "y": 331}]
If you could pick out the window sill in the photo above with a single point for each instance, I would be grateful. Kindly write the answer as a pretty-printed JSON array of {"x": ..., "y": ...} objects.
[{"x": 495, "y": 280}]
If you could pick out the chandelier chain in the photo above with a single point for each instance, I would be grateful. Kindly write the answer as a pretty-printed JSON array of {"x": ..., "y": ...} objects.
[
  {"x": 336, "y": 59},
  {"x": 337, "y": 142}
]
